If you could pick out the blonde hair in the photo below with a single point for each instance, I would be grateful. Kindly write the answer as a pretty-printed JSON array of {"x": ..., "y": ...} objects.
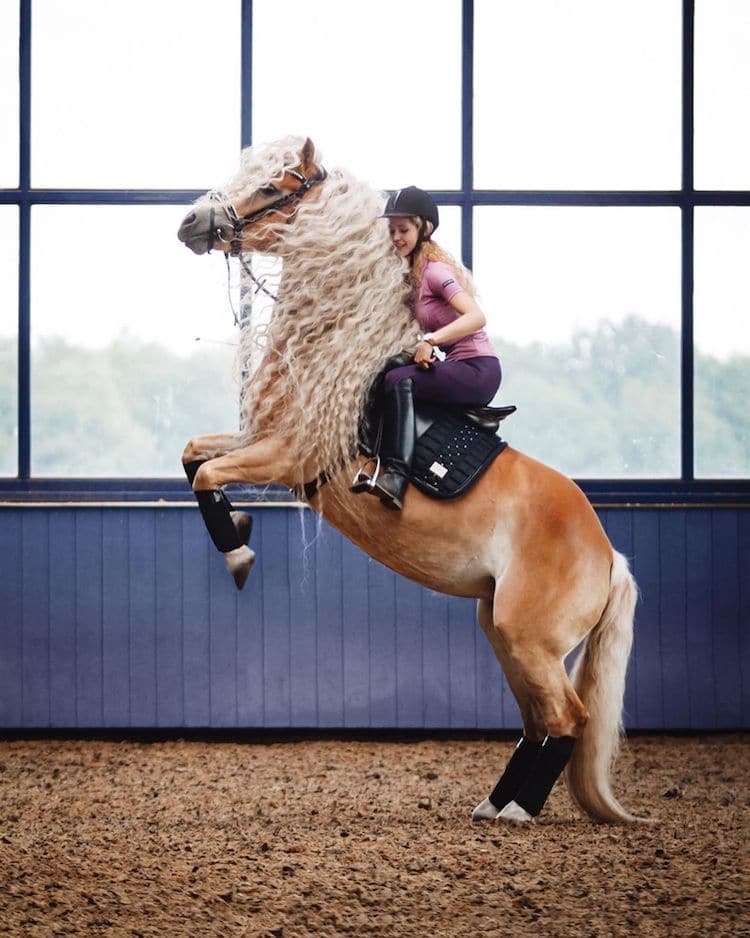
[
  {"x": 340, "y": 312},
  {"x": 430, "y": 250}
]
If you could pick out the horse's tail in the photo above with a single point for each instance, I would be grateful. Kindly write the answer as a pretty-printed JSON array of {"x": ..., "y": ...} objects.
[{"x": 599, "y": 680}]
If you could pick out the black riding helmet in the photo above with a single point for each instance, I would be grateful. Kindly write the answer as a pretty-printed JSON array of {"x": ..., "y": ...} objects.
[{"x": 411, "y": 201}]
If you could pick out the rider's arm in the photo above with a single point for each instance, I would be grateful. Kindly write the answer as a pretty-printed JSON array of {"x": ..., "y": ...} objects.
[{"x": 470, "y": 320}]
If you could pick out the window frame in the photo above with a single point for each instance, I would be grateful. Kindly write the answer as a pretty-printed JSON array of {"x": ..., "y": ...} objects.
[{"x": 683, "y": 490}]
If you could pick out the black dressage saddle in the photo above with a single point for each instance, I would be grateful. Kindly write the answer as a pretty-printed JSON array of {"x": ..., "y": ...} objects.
[{"x": 454, "y": 446}]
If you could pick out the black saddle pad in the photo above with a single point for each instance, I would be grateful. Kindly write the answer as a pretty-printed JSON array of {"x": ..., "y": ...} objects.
[{"x": 452, "y": 454}]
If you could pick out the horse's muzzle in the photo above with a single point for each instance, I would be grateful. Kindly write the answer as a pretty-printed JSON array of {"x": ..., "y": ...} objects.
[{"x": 198, "y": 230}]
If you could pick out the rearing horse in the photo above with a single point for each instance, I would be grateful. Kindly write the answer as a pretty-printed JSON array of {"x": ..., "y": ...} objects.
[{"x": 524, "y": 540}]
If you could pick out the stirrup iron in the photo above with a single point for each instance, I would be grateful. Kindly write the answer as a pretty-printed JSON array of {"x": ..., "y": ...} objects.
[{"x": 362, "y": 481}]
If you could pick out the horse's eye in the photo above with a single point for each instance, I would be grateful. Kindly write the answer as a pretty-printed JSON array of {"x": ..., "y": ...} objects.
[{"x": 267, "y": 191}]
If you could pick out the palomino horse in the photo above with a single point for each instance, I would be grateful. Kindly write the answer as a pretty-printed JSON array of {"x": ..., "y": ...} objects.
[{"x": 524, "y": 541}]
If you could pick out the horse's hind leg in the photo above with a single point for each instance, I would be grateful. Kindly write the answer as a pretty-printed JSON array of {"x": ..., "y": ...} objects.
[
  {"x": 553, "y": 716},
  {"x": 525, "y": 754}
]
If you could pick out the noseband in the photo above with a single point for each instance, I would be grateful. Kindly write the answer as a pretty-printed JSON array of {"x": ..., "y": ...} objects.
[{"x": 240, "y": 222}]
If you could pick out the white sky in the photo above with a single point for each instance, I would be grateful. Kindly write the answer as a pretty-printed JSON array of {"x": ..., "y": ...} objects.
[{"x": 568, "y": 93}]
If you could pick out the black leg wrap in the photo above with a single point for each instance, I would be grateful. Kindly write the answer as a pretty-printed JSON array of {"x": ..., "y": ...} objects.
[
  {"x": 516, "y": 772},
  {"x": 215, "y": 507},
  {"x": 191, "y": 468},
  {"x": 552, "y": 760}
]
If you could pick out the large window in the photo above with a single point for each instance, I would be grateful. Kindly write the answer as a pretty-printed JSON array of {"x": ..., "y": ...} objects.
[{"x": 563, "y": 139}]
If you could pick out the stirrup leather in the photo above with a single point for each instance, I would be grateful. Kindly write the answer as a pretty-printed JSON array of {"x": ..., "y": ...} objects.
[{"x": 363, "y": 481}]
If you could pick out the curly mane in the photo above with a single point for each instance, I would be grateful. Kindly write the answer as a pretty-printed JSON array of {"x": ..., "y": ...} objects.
[{"x": 340, "y": 312}]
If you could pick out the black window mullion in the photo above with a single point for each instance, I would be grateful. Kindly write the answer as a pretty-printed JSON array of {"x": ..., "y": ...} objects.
[
  {"x": 467, "y": 132},
  {"x": 24, "y": 245},
  {"x": 246, "y": 74},
  {"x": 688, "y": 243}
]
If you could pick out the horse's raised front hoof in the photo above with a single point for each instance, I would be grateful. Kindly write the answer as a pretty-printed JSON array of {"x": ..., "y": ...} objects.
[
  {"x": 243, "y": 524},
  {"x": 486, "y": 811},
  {"x": 239, "y": 563},
  {"x": 515, "y": 814}
]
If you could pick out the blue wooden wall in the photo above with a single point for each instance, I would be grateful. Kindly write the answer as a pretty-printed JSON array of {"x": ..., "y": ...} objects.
[{"x": 124, "y": 617}]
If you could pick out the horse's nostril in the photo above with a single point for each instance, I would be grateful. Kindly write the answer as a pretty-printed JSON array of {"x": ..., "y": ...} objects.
[{"x": 189, "y": 219}]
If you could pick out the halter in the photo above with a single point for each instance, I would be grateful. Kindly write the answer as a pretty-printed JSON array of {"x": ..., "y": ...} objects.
[{"x": 240, "y": 222}]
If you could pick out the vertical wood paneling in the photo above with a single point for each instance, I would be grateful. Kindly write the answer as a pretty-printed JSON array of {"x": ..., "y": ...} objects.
[
  {"x": 381, "y": 592},
  {"x": 276, "y": 633},
  {"x": 36, "y": 664},
  {"x": 250, "y": 632},
  {"x": 409, "y": 664},
  {"x": 701, "y": 679},
  {"x": 726, "y": 619},
  {"x": 356, "y": 662},
  {"x": 743, "y": 536},
  {"x": 330, "y": 648},
  {"x": 169, "y": 589},
  {"x": 88, "y": 580},
  {"x": 11, "y": 618},
  {"x": 116, "y": 617},
  {"x": 222, "y": 640},
  {"x": 462, "y": 637},
  {"x": 303, "y": 628},
  {"x": 647, "y": 644},
  {"x": 673, "y": 633},
  {"x": 62, "y": 618},
  {"x": 142, "y": 603},
  {"x": 196, "y": 556},
  {"x": 436, "y": 674}
]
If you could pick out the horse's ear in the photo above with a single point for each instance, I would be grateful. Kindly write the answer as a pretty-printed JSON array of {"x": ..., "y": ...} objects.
[{"x": 308, "y": 154}]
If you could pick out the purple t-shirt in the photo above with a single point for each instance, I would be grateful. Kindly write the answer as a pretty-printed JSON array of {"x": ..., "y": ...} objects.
[{"x": 433, "y": 311}]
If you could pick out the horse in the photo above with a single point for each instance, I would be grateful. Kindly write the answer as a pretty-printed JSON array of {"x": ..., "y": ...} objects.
[{"x": 524, "y": 541}]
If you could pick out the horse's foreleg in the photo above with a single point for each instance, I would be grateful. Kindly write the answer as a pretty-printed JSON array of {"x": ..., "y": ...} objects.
[
  {"x": 259, "y": 462},
  {"x": 198, "y": 451}
]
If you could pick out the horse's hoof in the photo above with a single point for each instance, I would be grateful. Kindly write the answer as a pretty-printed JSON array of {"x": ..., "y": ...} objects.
[
  {"x": 243, "y": 525},
  {"x": 239, "y": 563},
  {"x": 515, "y": 814},
  {"x": 486, "y": 811}
]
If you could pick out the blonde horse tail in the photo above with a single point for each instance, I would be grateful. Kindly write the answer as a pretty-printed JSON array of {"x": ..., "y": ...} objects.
[{"x": 598, "y": 677}]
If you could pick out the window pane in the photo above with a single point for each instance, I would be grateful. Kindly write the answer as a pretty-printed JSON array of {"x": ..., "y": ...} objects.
[
  {"x": 449, "y": 233},
  {"x": 9, "y": 95},
  {"x": 136, "y": 94},
  {"x": 722, "y": 342},
  {"x": 722, "y": 94},
  {"x": 584, "y": 307},
  {"x": 119, "y": 382},
  {"x": 582, "y": 95},
  {"x": 8, "y": 340},
  {"x": 376, "y": 86}
]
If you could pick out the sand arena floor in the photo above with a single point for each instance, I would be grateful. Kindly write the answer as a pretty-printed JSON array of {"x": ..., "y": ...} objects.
[{"x": 358, "y": 838}]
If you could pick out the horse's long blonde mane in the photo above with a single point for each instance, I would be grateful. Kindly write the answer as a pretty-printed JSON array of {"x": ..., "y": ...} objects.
[{"x": 340, "y": 312}]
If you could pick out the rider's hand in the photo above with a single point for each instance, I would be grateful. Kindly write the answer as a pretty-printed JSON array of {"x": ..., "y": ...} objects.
[{"x": 424, "y": 355}]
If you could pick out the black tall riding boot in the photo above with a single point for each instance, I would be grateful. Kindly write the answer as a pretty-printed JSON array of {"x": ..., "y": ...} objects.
[{"x": 397, "y": 448}]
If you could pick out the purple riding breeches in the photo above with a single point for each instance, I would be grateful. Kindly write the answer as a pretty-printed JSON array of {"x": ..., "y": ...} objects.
[{"x": 470, "y": 381}]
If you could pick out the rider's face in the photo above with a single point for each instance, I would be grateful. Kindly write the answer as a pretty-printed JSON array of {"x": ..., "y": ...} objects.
[{"x": 404, "y": 233}]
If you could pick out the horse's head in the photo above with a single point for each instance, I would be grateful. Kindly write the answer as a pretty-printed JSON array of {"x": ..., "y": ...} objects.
[{"x": 265, "y": 193}]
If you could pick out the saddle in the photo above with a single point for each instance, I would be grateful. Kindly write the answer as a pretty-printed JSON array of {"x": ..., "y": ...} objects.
[{"x": 454, "y": 446}]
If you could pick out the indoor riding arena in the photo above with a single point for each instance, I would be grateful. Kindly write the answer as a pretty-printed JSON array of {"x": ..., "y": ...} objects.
[{"x": 239, "y": 694}]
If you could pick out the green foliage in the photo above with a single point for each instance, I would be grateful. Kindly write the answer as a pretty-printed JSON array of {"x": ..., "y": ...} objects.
[{"x": 604, "y": 405}]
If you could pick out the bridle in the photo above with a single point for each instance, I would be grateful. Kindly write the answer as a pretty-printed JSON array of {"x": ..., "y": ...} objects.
[{"x": 240, "y": 222}]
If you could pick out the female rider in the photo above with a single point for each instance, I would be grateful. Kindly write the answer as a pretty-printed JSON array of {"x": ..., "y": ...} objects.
[{"x": 445, "y": 306}]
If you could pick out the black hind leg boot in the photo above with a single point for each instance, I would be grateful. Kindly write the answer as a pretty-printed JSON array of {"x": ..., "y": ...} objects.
[{"x": 397, "y": 449}]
